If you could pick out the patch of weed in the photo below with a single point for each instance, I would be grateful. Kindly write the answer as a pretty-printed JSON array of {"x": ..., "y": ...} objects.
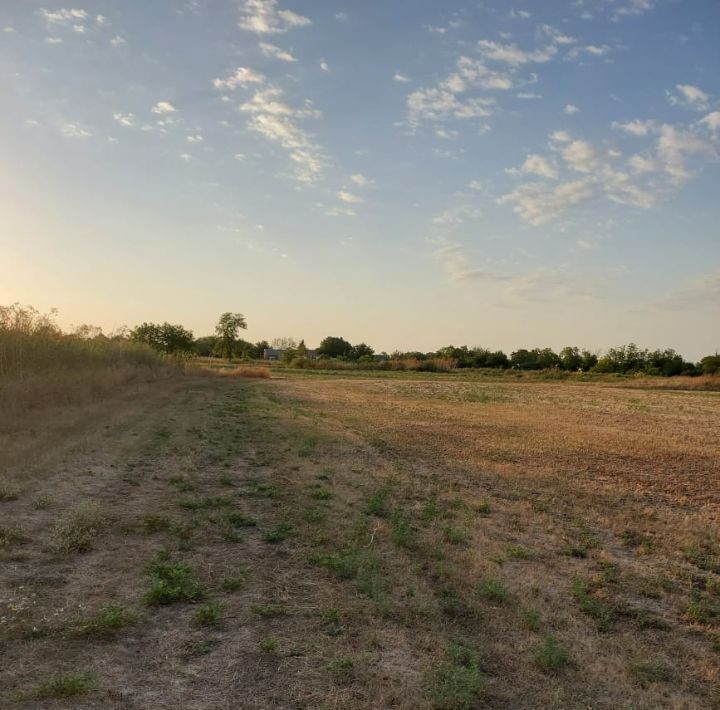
[
  {"x": 650, "y": 672},
  {"x": 171, "y": 583},
  {"x": 402, "y": 532},
  {"x": 269, "y": 644},
  {"x": 278, "y": 534},
  {"x": 377, "y": 503},
  {"x": 551, "y": 656},
  {"x": 457, "y": 683},
  {"x": 65, "y": 686},
  {"x": 492, "y": 589},
  {"x": 208, "y": 615},
  {"x": 240, "y": 520},
  {"x": 599, "y": 610},
  {"x": 77, "y": 530},
  {"x": 269, "y": 611},
  {"x": 455, "y": 535},
  {"x": 320, "y": 493},
  {"x": 106, "y": 621}
]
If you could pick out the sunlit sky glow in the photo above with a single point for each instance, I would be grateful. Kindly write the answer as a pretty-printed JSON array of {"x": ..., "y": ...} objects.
[{"x": 409, "y": 173}]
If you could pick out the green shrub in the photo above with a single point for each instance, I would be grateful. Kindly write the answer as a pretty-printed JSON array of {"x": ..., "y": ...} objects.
[{"x": 171, "y": 583}]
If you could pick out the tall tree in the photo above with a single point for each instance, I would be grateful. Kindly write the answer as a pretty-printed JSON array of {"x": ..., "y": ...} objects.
[{"x": 227, "y": 331}]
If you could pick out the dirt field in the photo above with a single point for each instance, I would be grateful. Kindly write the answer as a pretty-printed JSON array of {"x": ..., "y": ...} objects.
[{"x": 315, "y": 541}]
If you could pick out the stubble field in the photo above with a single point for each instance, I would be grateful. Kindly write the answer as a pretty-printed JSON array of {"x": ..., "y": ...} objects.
[{"x": 326, "y": 541}]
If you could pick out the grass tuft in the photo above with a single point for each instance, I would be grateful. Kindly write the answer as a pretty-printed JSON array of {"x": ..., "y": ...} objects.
[
  {"x": 550, "y": 656},
  {"x": 77, "y": 530},
  {"x": 65, "y": 686},
  {"x": 171, "y": 583}
]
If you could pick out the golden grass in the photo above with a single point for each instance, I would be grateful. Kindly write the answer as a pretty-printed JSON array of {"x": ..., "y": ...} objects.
[{"x": 245, "y": 371}]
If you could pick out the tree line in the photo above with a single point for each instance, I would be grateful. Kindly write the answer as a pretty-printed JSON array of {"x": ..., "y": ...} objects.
[{"x": 626, "y": 359}]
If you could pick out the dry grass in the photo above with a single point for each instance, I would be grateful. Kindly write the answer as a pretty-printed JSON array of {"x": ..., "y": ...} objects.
[
  {"x": 246, "y": 371},
  {"x": 441, "y": 544}
]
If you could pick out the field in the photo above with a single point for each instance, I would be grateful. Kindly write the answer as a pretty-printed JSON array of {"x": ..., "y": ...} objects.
[{"x": 360, "y": 541}]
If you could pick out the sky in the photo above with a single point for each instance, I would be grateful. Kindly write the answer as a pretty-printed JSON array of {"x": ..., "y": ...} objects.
[{"x": 407, "y": 173}]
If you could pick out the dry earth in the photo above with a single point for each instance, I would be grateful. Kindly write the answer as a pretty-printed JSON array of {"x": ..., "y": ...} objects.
[{"x": 318, "y": 541}]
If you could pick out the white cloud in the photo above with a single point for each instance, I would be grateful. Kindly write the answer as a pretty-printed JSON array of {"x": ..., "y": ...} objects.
[
  {"x": 53, "y": 40},
  {"x": 539, "y": 204},
  {"x": 690, "y": 96},
  {"x": 185, "y": 156},
  {"x": 589, "y": 50},
  {"x": 194, "y": 139},
  {"x": 79, "y": 28},
  {"x": 270, "y": 50},
  {"x": 348, "y": 197},
  {"x": 456, "y": 215},
  {"x": 560, "y": 137},
  {"x": 162, "y": 107},
  {"x": 264, "y": 17},
  {"x": 9, "y": 30},
  {"x": 712, "y": 121},
  {"x": 118, "y": 41},
  {"x": 634, "y": 7},
  {"x": 125, "y": 119},
  {"x": 580, "y": 156},
  {"x": 340, "y": 212},
  {"x": 520, "y": 14},
  {"x": 640, "y": 164},
  {"x": 360, "y": 180},
  {"x": 554, "y": 35},
  {"x": 527, "y": 95},
  {"x": 537, "y": 165},
  {"x": 242, "y": 77},
  {"x": 401, "y": 78},
  {"x": 570, "y": 109},
  {"x": 675, "y": 144},
  {"x": 513, "y": 55},
  {"x": 101, "y": 20},
  {"x": 62, "y": 16},
  {"x": 277, "y": 121},
  {"x": 73, "y": 130},
  {"x": 239, "y": 156},
  {"x": 324, "y": 65},
  {"x": 636, "y": 127}
]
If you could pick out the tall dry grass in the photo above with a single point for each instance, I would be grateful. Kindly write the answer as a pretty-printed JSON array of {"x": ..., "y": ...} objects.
[{"x": 42, "y": 366}]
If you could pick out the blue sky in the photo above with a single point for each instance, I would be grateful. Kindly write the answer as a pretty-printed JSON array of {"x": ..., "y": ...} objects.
[{"x": 406, "y": 173}]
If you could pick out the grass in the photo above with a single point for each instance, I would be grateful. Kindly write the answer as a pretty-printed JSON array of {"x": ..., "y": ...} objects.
[
  {"x": 590, "y": 604},
  {"x": 278, "y": 534},
  {"x": 269, "y": 611},
  {"x": 77, "y": 529},
  {"x": 455, "y": 535},
  {"x": 550, "y": 655},
  {"x": 10, "y": 535},
  {"x": 107, "y": 621},
  {"x": 320, "y": 493},
  {"x": 208, "y": 615},
  {"x": 402, "y": 532},
  {"x": 492, "y": 589},
  {"x": 269, "y": 645},
  {"x": 65, "y": 686},
  {"x": 650, "y": 672},
  {"x": 172, "y": 583},
  {"x": 8, "y": 493},
  {"x": 239, "y": 519},
  {"x": 377, "y": 503},
  {"x": 457, "y": 683}
]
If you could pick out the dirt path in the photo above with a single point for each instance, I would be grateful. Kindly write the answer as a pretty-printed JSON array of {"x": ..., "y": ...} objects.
[{"x": 220, "y": 543}]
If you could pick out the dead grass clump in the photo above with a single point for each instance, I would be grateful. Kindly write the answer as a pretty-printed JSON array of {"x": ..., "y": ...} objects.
[
  {"x": 77, "y": 530},
  {"x": 246, "y": 371}
]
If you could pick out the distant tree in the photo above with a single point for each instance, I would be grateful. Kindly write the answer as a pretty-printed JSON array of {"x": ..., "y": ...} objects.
[
  {"x": 361, "y": 350},
  {"x": 205, "y": 346},
  {"x": 259, "y": 349},
  {"x": 710, "y": 365},
  {"x": 284, "y": 343},
  {"x": 589, "y": 360},
  {"x": 165, "y": 337},
  {"x": 571, "y": 359},
  {"x": 88, "y": 332},
  {"x": 227, "y": 330},
  {"x": 301, "y": 350},
  {"x": 333, "y": 346}
]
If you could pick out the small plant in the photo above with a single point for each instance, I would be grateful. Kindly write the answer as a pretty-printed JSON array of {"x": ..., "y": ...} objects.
[
  {"x": 457, "y": 683},
  {"x": 269, "y": 645},
  {"x": 320, "y": 493},
  {"x": 518, "y": 552},
  {"x": 705, "y": 557},
  {"x": 492, "y": 589},
  {"x": 701, "y": 609},
  {"x": 8, "y": 493},
  {"x": 182, "y": 484},
  {"x": 240, "y": 519},
  {"x": 377, "y": 502},
  {"x": 401, "y": 528},
  {"x": 429, "y": 512},
  {"x": 204, "y": 503},
  {"x": 171, "y": 583},
  {"x": 65, "y": 686},
  {"x": 233, "y": 583},
  {"x": 77, "y": 530},
  {"x": 43, "y": 502},
  {"x": 108, "y": 620},
  {"x": 531, "y": 619},
  {"x": 9, "y": 536},
  {"x": 596, "y": 608},
  {"x": 576, "y": 550},
  {"x": 455, "y": 536},
  {"x": 342, "y": 669},
  {"x": 314, "y": 516},
  {"x": 208, "y": 615},
  {"x": 483, "y": 508},
  {"x": 269, "y": 611},
  {"x": 650, "y": 672},
  {"x": 279, "y": 534},
  {"x": 226, "y": 480},
  {"x": 550, "y": 656}
]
